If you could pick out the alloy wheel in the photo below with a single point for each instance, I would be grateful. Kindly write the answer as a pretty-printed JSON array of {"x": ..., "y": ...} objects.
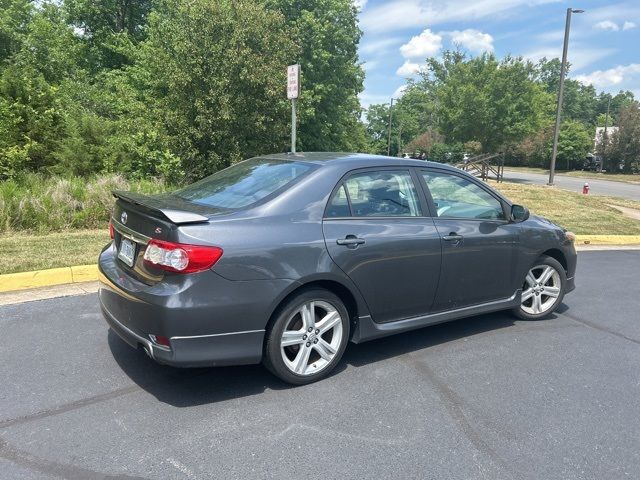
[
  {"x": 311, "y": 337},
  {"x": 540, "y": 290}
]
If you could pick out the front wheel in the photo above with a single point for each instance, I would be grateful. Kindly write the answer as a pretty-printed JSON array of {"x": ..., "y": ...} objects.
[
  {"x": 307, "y": 337},
  {"x": 542, "y": 290}
]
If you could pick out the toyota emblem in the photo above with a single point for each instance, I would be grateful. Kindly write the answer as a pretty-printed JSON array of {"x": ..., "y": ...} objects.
[{"x": 123, "y": 217}]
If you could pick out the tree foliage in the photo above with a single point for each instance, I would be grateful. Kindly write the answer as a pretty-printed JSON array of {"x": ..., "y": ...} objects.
[
  {"x": 158, "y": 87},
  {"x": 495, "y": 102},
  {"x": 623, "y": 153},
  {"x": 488, "y": 104},
  {"x": 328, "y": 35}
]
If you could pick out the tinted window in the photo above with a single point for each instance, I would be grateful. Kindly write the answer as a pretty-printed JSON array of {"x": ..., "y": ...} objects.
[
  {"x": 383, "y": 193},
  {"x": 339, "y": 204},
  {"x": 244, "y": 183},
  {"x": 458, "y": 197}
]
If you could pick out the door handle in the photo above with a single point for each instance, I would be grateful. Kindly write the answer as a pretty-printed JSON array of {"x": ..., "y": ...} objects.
[
  {"x": 350, "y": 240},
  {"x": 452, "y": 237}
]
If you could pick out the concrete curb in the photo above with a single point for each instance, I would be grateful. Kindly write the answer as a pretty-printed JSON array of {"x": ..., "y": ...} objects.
[
  {"x": 89, "y": 273},
  {"x": 45, "y": 278}
]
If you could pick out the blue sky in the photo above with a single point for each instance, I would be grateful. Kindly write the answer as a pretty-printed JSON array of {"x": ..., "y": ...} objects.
[{"x": 604, "y": 47}]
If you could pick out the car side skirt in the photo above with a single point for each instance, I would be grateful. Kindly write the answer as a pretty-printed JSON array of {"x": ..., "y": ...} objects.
[{"x": 366, "y": 329}]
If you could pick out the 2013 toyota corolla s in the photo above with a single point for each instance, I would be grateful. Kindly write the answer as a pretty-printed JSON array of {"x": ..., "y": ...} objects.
[{"x": 284, "y": 259}]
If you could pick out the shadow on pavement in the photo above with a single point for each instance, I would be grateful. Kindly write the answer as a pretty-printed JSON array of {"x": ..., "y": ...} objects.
[{"x": 189, "y": 387}]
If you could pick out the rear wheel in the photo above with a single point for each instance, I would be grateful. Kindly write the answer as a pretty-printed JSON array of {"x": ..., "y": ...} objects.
[
  {"x": 542, "y": 290},
  {"x": 307, "y": 337}
]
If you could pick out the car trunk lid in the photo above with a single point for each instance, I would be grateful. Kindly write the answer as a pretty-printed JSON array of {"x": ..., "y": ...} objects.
[{"x": 138, "y": 218}]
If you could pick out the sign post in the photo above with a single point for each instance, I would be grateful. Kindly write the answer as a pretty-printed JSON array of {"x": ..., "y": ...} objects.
[{"x": 293, "y": 92}]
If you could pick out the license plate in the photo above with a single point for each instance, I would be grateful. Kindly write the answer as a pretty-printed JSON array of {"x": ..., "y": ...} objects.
[{"x": 127, "y": 251}]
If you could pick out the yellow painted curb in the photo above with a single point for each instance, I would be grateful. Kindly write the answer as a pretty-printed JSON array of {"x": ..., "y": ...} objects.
[
  {"x": 608, "y": 239},
  {"x": 84, "y": 273},
  {"x": 44, "y": 278}
]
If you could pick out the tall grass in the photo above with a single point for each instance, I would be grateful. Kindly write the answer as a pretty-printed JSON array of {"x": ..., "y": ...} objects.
[{"x": 42, "y": 204}]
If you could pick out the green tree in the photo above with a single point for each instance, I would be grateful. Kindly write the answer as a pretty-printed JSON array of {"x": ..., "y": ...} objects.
[
  {"x": 494, "y": 102},
  {"x": 377, "y": 127},
  {"x": 412, "y": 115},
  {"x": 574, "y": 142},
  {"x": 15, "y": 16},
  {"x": 624, "y": 149},
  {"x": 213, "y": 74},
  {"x": 110, "y": 29},
  {"x": 328, "y": 35}
]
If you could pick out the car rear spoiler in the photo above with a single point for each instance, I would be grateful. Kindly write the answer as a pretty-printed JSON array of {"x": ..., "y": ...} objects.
[{"x": 159, "y": 205}]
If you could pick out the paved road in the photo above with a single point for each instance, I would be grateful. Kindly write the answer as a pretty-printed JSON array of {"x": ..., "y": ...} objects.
[
  {"x": 597, "y": 187},
  {"x": 480, "y": 398}
]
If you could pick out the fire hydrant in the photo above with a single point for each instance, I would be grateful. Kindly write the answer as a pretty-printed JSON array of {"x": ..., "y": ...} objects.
[{"x": 585, "y": 189}]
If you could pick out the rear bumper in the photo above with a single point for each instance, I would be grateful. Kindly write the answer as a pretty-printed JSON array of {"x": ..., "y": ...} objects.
[
  {"x": 236, "y": 348},
  {"x": 210, "y": 321}
]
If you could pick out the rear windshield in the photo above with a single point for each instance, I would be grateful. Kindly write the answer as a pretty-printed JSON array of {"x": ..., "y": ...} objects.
[{"x": 244, "y": 183}]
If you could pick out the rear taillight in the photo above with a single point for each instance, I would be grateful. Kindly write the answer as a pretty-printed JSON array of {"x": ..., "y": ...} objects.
[
  {"x": 181, "y": 258},
  {"x": 111, "y": 232}
]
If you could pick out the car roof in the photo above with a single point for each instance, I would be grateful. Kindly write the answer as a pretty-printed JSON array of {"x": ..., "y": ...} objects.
[{"x": 355, "y": 160}]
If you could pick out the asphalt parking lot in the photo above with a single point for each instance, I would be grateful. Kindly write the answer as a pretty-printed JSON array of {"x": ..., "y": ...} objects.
[{"x": 486, "y": 397}]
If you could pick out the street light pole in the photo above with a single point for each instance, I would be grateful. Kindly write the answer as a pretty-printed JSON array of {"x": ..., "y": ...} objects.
[
  {"x": 563, "y": 68},
  {"x": 389, "y": 128}
]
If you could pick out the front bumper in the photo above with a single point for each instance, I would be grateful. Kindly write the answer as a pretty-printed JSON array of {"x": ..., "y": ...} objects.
[{"x": 210, "y": 321}]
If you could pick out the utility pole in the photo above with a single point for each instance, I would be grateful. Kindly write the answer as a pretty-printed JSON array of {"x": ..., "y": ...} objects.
[
  {"x": 389, "y": 129},
  {"x": 563, "y": 68},
  {"x": 605, "y": 137}
]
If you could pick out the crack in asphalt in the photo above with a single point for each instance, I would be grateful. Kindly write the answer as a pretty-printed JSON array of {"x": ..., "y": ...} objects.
[
  {"x": 595, "y": 326},
  {"x": 67, "y": 407},
  {"x": 61, "y": 470},
  {"x": 454, "y": 405}
]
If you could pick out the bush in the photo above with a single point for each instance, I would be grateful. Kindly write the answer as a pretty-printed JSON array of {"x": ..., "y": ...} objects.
[{"x": 36, "y": 203}]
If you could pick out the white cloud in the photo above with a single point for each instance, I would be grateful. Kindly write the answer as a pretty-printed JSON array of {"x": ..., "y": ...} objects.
[
  {"x": 473, "y": 40},
  {"x": 399, "y": 91},
  {"x": 607, "y": 25},
  {"x": 367, "y": 99},
  {"x": 617, "y": 12},
  {"x": 614, "y": 77},
  {"x": 379, "y": 45},
  {"x": 628, "y": 26},
  {"x": 397, "y": 15},
  {"x": 370, "y": 65},
  {"x": 580, "y": 55},
  {"x": 424, "y": 45},
  {"x": 408, "y": 69},
  {"x": 360, "y": 4}
]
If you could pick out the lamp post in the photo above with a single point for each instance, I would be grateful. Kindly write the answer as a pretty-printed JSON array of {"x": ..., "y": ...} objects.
[
  {"x": 563, "y": 68},
  {"x": 389, "y": 129}
]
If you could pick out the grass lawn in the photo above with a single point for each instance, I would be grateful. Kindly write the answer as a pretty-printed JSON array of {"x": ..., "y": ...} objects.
[
  {"x": 582, "y": 214},
  {"x": 615, "y": 177},
  {"x": 22, "y": 252}
]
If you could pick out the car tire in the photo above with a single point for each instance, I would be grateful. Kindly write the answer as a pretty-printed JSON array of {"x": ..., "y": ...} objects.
[
  {"x": 543, "y": 289},
  {"x": 307, "y": 336}
]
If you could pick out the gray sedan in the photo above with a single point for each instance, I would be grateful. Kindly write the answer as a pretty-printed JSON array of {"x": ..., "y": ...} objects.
[{"x": 284, "y": 259}]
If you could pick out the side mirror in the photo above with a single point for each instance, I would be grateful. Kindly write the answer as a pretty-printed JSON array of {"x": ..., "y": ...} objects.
[{"x": 519, "y": 213}]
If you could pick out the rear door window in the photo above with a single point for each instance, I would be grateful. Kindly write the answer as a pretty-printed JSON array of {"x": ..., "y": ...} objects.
[
  {"x": 245, "y": 183},
  {"x": 384, "y": 193}
]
